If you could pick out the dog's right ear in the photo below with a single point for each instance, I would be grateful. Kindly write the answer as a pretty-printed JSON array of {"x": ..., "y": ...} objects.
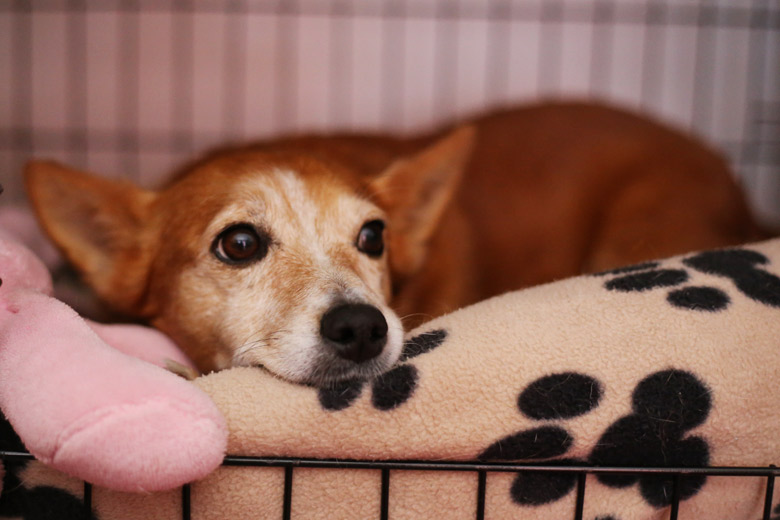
[
  {"x": 415, "y": 192},
  {"x": 97, "y": 223}
]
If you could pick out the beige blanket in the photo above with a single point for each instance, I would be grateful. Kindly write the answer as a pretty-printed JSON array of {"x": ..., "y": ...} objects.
[{"x": 674, "y": 363}]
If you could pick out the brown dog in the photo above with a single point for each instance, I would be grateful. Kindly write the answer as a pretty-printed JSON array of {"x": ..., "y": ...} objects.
[{"x": 299, "y": 254}]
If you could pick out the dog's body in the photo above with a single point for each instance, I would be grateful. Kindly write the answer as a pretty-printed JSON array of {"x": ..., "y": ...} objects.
[{"x": 273, "y": 254}]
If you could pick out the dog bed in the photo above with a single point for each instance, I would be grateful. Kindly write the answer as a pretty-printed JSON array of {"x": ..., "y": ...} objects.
[{"x": 672, "y": 363}]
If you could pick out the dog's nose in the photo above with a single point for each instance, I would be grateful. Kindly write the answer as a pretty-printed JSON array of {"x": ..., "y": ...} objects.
[{"x": 356, "y": 331}]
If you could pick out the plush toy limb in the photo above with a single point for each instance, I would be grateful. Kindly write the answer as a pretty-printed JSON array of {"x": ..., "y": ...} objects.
[
  {"x": 20, "y": 268},
  {"x": 19, "y": 223},
  {"x": 93, "y": 412},
  {"x": 144, "y": 343}
]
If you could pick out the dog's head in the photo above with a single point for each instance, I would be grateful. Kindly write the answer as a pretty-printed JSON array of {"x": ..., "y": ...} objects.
[{"x": 259, "y": 258}]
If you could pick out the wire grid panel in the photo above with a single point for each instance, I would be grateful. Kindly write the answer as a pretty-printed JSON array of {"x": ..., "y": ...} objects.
[
  {"x": 131, "y": 87},
  {"x": 674, "y": 475}
]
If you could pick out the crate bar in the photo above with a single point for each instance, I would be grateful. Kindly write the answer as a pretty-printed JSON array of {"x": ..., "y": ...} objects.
[
  {"x": 186, "y": 501},
  {"x": 128, "y": 87},
  {"x": 182, "y": 142},
  {"x": 682, "y": 15},
  {"x": 15, "y": 455},
  {"x": 579, "y": 507},
  {"x": 770, "y": 492},
  {"x": 287, "y": 501},
  {"x": 21, "y": 138},
  {"x": 182, "y": 134},
  {"x": 481, "y": 488},
  {"x": 384, "y": 505},
  {"x": 675, "y": 511},
  {"x": 235, "y": 460},
  {"x": 76, "y": 81},
  {"x": 723, "y": 471},
  {"x": 87, "y": 500}
]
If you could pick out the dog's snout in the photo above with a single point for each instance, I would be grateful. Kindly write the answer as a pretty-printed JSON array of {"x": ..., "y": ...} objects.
[{"x": 357, "y": 332}]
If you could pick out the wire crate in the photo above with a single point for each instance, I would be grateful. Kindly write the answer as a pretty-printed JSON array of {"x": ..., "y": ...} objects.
[
  {"x": 132, "y": 87},
  {"x": 481, "y": 468}
]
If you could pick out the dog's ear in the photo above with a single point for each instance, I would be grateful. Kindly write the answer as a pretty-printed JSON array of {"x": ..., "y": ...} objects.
[
  {"x": 415, "y": 192},
  {"x": 97, "y": 223}
]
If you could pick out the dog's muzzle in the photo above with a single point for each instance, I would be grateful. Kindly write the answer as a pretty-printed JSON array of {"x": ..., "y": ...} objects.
[{"x": 355, "y": 331}]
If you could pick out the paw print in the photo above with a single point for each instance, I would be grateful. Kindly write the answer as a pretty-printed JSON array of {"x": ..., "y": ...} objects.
[
  {"x": 665, "y": 406},
  {"x": 775, "y": 513},
  {"x": 554, "y": 397},
  {"x": 739, "y": 265},
  {"x": 391, "y": 389}
]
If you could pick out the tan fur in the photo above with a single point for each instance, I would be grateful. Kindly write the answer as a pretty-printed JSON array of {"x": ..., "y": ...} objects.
[{"x": 518, "y": 198}]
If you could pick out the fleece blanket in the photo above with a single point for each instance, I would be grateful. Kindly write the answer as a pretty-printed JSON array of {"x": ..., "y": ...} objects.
[{"x": 668, "y": 363}]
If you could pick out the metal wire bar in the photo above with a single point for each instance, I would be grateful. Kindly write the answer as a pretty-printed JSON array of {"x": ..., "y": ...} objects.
[
  {"x": 384, "y": 505},
  {"x": 580, "y": 504},
  {"x": 287, "y": 501},
  {"x": 482, "y": 468},
  {"x": 675, "y": 511},
  {"x": 186, "y": 501},
  {"x": 770, "y": 492},
  {"x": 678, "y": 15},
  {"x": 87, "y": 500},
  {"x": 481, "y": 489},
  {"x": 184, "y": 142},
  {"x": 15, "y": 456},
  {"x": 421, "y": 465}
]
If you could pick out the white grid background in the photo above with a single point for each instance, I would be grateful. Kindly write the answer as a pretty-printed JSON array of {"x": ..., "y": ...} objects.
[{"x": 133, "y": 87}]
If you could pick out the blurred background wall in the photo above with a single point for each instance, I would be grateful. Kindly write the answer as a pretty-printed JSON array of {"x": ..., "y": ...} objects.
[{"x": 133, "y": 87}]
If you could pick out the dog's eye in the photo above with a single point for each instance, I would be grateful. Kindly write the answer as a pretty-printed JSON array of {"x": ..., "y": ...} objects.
[
  {"x": 370, "y": 240},
  {"x": 239, "y": 244}
]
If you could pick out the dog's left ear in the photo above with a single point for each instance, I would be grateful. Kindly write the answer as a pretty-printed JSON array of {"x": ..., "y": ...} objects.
[
  {"x": 97, "y": 223},
  {"x": 415, "y": 192}
]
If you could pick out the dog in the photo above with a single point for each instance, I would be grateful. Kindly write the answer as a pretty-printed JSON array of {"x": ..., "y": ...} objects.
[{"x": 310, "y": 255}]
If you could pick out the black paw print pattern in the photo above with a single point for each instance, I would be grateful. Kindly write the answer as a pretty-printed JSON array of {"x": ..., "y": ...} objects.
[
  {"x": 391, "y": 389},
  {"x": 776, "y": 513},
  {"x": 739, "y": 265},
  {"x": 40, "y": 502},
  {"x": 554, "y": 397},
  {"x": 665, "y": 406}
]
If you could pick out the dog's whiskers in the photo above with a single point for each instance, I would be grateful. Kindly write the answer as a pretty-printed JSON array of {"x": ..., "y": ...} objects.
[
  {"x": 247, "y": 347},
  {"x": 414, "y": 316},
  {"x": 251, "y": 344}
]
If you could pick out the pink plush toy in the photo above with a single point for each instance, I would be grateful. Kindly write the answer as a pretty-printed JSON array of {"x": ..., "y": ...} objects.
[{"x": 87, "y": 399}]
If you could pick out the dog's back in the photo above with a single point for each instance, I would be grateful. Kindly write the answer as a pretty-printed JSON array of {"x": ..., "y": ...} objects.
[{"x": 584, "y": 188}]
